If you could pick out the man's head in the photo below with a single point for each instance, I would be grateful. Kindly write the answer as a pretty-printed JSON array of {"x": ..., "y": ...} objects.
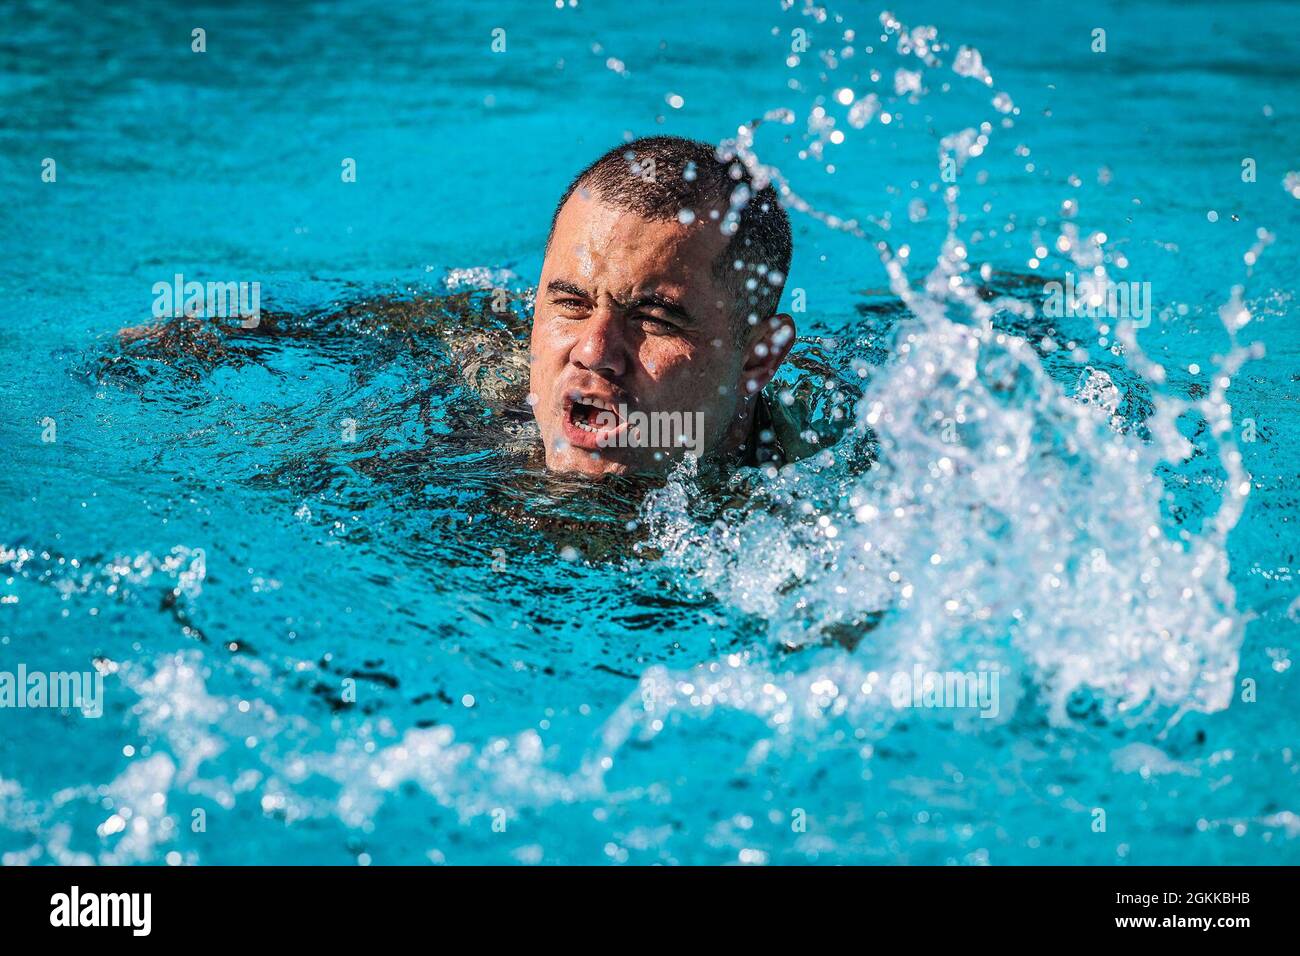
[{"x": 657, "y": 298}]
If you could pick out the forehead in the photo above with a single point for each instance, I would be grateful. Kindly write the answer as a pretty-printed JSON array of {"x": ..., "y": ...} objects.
[{"x": 595, "y": 240}]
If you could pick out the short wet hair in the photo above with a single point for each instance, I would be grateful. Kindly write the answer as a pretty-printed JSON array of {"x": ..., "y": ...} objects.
[{"x": 662, "y": 177}]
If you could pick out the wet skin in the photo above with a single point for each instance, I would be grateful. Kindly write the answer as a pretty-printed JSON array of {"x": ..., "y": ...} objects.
[{"x": 630, "y": 316}]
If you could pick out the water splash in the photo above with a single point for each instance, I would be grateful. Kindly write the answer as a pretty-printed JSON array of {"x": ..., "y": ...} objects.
[{"x": 1001, "y": 514}]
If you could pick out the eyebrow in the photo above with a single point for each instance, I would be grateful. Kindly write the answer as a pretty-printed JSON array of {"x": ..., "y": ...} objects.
[
  {"x": 565, "y": 287},
  {"x": 653, "y": 299}
]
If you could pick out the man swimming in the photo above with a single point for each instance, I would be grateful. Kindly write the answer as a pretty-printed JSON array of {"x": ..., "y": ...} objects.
[
  {"x": 654, "y": 330},
  {"x": 657, "y": 307}
]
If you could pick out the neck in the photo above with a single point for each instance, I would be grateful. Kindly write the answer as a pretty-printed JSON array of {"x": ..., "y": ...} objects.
[{"x": 741, "y": 445}]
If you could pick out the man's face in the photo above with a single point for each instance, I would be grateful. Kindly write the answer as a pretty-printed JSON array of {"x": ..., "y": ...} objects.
[{"x": 629, "y": 318}]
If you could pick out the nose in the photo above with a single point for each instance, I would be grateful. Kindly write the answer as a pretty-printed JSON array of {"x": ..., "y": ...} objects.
[{"x": 601, "y": 346}]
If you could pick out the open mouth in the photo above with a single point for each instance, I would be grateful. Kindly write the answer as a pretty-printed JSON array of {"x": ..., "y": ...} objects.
[
  {"x": 593, "y": 414},
  {"x": 591, "y": 422}
]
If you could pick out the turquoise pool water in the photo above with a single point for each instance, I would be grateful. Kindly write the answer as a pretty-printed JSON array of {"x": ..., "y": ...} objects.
[{"x": 412, "y": 647}]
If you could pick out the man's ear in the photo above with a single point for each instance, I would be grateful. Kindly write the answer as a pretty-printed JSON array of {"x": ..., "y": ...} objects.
[{"x": 767, "y": 346}]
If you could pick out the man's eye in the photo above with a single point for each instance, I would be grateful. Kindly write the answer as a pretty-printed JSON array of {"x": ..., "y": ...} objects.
[
  {"x": 656, "y": 326},
  {"x": 570, "y": 305}
]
